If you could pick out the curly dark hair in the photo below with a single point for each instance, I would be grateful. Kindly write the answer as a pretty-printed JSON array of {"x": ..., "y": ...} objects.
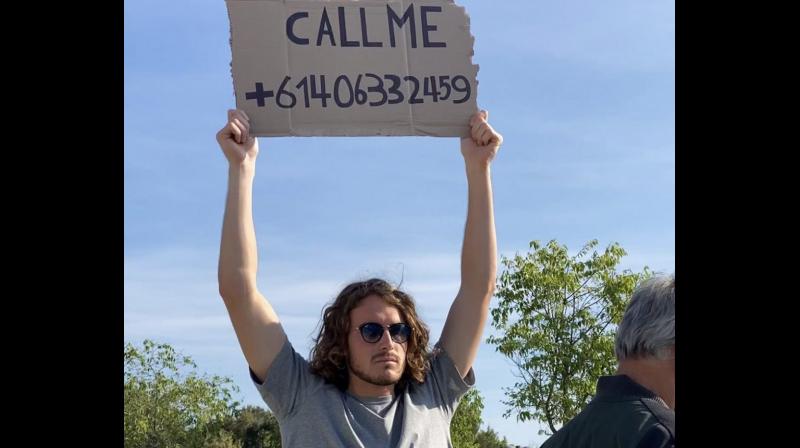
[{"x": 329, "y": 358}]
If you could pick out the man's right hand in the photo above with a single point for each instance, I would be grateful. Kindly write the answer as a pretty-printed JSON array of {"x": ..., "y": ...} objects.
[{"x": 235, "y": 140}]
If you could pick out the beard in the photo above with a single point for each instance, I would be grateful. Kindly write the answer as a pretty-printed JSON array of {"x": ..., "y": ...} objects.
[{"x": 385, "y": 378}]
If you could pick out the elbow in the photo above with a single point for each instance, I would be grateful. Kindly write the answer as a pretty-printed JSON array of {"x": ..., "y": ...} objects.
[
  {"x": 227, "y": 291},
  {"x": 234, "y": 287},
  {"x": 483, "y": 289},
  {"x": 489, "y": 284},
  {"x": 489, "y": 291}
]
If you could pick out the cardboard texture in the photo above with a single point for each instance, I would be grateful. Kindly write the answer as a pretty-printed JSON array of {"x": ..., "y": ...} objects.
[{"x": 350, "y": 67}]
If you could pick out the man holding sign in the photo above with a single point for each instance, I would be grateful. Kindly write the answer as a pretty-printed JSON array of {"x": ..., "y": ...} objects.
[
  {"x": 368, "y": 67},
  {"x": 371, "y": 380}
]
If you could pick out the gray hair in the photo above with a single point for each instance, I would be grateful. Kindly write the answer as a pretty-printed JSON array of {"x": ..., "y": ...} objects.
[{"x": 647, "y": 329}]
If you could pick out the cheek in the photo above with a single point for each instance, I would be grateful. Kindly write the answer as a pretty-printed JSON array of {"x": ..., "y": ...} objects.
[
  {"x": 404, "y": 353},
  {"x": 350, "y": 350},
  {"x": 356, "y": 352}
]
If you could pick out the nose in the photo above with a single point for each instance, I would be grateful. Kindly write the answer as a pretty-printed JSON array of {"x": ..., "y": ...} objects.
[{"x": 385, "y": 342}]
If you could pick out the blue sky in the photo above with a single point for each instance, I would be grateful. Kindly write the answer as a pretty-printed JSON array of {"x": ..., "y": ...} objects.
[{"x": 582, "y": 91}]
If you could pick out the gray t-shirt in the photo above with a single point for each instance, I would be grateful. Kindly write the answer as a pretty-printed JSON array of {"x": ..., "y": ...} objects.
[{"x": 312, "y": 413}]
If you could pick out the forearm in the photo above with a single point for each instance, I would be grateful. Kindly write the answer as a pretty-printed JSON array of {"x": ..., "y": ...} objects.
[
  {"x": 238, "y": 259},
  {"x": 479, "y": 250}
]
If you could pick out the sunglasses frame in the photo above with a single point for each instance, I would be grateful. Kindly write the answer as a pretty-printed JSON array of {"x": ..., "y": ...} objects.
[{"x": 399, "y": 325}]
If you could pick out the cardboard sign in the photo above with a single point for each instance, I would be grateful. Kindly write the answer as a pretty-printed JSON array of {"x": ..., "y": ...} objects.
[{"x": 348, "y": 67}]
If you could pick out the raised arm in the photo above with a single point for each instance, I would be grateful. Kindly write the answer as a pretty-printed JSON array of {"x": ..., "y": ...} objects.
[
  {"x": 257, "y": 326},
  {"x": 464, "y": 326}
]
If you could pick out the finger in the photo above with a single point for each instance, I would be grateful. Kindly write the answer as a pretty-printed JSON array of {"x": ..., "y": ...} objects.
[
  {"x": 485, "y": 115},
  {"x": 244, "y": 128},
  {"x": 481, "y": 130},
  {"x": 495, "y": 138},
  {"x": 244, "y": 124},
  {"x": 475, "y": 132},
  {"x": 486, "y": 135},
  {"x": 476, "y": 118},
  {"x": 498, "y": 138},
  {"x": 242, "y": 117},
  {"x": 235, "y": 132}
]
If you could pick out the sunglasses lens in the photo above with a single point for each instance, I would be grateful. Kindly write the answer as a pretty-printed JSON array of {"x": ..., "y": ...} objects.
[
  {"x": 371, "y": 332},
  {"x": 399, "y": 332}
]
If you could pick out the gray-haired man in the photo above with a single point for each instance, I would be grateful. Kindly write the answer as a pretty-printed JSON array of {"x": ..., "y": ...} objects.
[{"x": 635, "y": 407}]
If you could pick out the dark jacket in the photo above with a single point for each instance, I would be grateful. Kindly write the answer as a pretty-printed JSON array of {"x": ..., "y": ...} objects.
[{"x": 622, "y": 414}]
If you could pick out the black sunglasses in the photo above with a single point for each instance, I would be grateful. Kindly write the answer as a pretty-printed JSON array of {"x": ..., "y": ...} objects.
[{"x": 372, "y": 332}]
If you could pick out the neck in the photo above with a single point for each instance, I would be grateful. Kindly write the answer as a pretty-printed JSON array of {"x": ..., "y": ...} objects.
[
  {"x": 656, "y": 375},
  {"x": 361, "y": 388}
]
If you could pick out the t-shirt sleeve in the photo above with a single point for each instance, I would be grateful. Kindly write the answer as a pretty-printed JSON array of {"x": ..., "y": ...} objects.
[
  {"x": 288, "y": 382},
  {"x": 448, "y": 383}
]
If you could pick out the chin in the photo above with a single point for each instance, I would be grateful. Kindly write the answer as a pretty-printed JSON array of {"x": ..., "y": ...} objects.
[{"x": 390, "y": 377}]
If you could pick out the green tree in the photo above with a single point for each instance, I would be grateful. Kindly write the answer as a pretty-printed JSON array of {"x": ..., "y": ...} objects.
[
  {"x": 467, "y": 420},
  {"x": 557, "y": 317},
  {"x": 167, "y": 404},
  {"x": 255, "y": 427},
  {"x": 223, "y": 439},
  {"x": 488, "y": 438}
]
